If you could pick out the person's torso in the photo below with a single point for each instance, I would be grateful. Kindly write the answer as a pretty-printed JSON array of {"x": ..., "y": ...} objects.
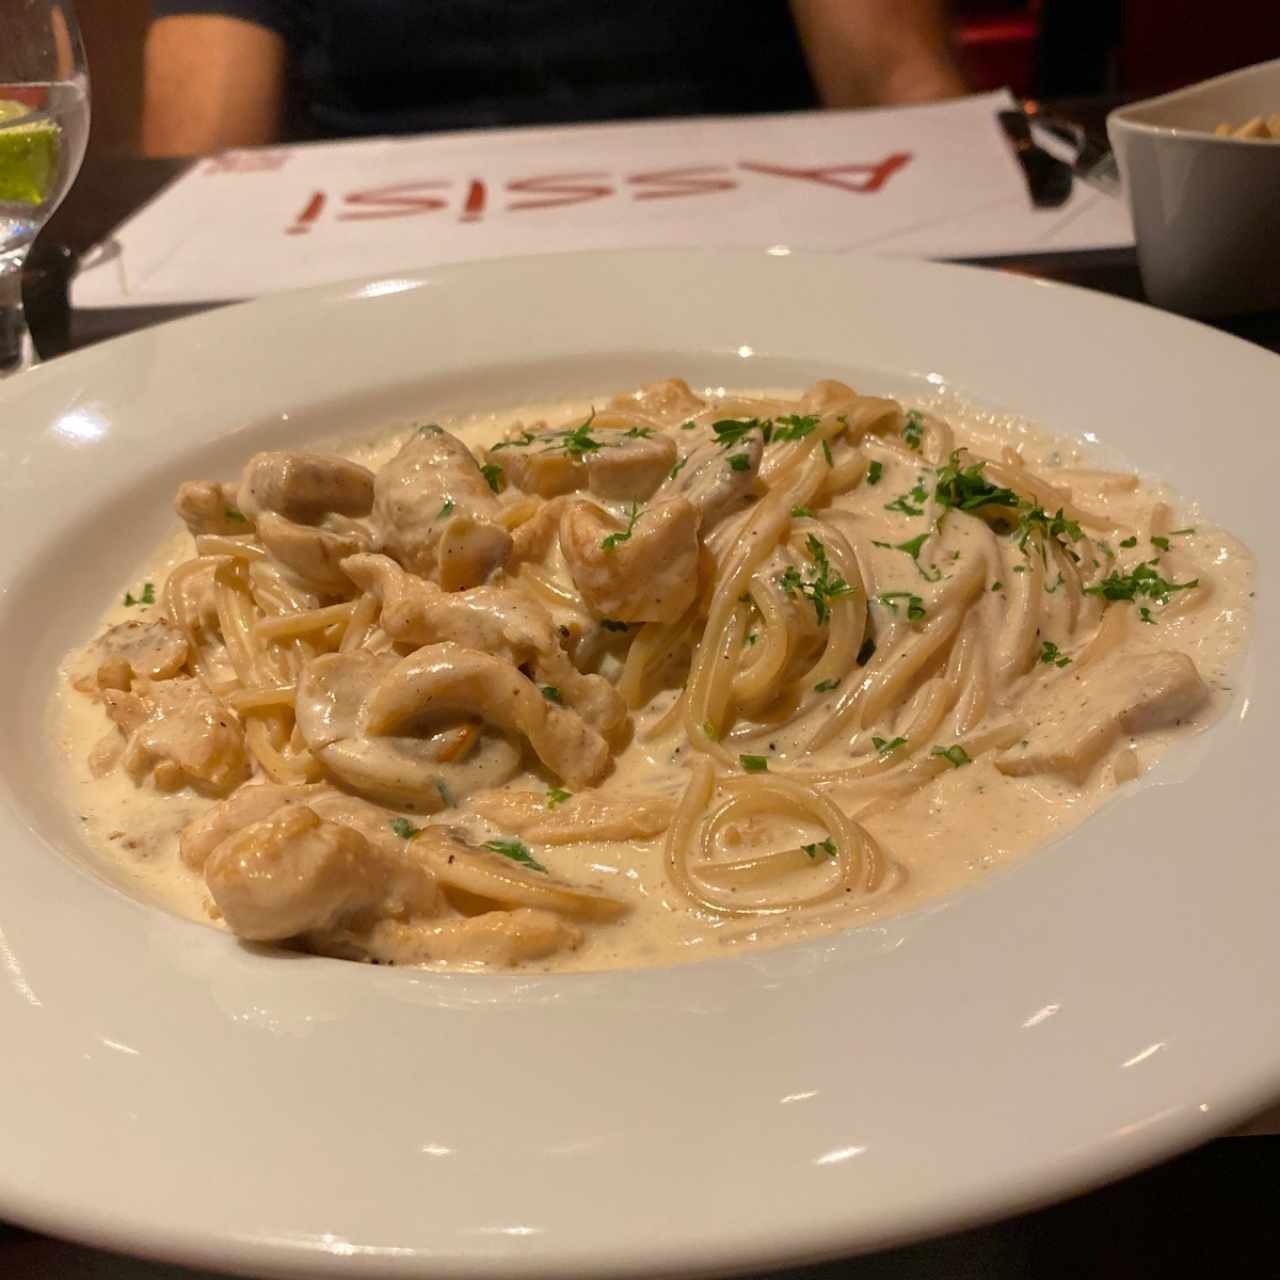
[{"x": 376, "y": 66}]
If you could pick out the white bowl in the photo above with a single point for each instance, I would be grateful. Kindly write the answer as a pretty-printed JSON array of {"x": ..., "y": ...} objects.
[
  {"x": 1206, "y": 209},
  {"x": 166, "y": 1090}
]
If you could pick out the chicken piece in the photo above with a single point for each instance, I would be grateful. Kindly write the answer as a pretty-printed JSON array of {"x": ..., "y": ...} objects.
[
  {"x": 293, "y": 873},
  {"x": 435, "y": 513},
  {"x": 134, "y": 649},
  {"x": 498, "y": 939},
  {"x": 178, "y": 731},
  {"x": 255, "y": 801},
  {"x": 1083, "y": 713},
  {"x": 207, "y": 507},
  {"x": 533, "y": 539},
  {"x": 311, "y": 552},
  {"x": 626, "y": 465},
  {"x": 650, "y": 576},
  {"x": 588, "y": 816},
  {"x": 445, "y": 681},
  {"x": 712, "y": 484},
  {"x": 506, "y": 624},
  {"x": 418, "y": 768},
  {"x": 670, "y": 399},
  {"x": 491, "y": 877},
  {"x": 631, "y": 464},
  {"x": 246, "y": 805},
  {"x": 304, "y": 487}
]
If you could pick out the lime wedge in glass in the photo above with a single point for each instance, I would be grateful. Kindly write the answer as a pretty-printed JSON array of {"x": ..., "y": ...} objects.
[{"x": 28, "y": 155}]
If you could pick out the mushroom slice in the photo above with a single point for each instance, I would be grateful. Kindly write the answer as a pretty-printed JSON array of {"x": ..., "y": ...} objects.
[
  {"x": 421, "y": 768},
  {"x": 492, "y": 877},
  {"x": 651, "y": 575},
  {"x": 495, "y": 620},
  {"x": 447, "y": 682},
  {"x": 304, "y": 487},
  {"x": 313, "y": 553},
  {"x": 134, "y": 649}
]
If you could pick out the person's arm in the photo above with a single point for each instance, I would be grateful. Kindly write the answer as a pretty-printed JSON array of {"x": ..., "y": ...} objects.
[
  {"x": 211, "y": 82},
  {"x": 869, "y": 52}
]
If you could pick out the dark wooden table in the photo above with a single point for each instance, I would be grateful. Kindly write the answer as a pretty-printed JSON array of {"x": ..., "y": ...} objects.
[{"x": 1213, "y": 1208}]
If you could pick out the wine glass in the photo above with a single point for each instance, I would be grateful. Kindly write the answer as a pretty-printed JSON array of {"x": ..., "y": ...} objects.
[{"x": 44, "y": 123}]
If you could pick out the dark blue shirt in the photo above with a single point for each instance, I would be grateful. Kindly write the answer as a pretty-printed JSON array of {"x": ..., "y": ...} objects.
[{"x": 395, "y": 66}]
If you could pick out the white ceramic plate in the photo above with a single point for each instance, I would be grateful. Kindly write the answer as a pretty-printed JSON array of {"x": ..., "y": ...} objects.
[{"x": 166, "y": 1091}]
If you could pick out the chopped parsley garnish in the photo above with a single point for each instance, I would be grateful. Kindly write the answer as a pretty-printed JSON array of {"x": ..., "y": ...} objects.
[
  {"x": 915, "y": 604},
  {"x": 710, "y": 730},
  {"x": 444, "y": 792},
  {"x": 1037, "y": 520},
  {"x": 522, "y": 441},
  {"x": 1019, "y": 568},
  {"x": 492, "y": 475},
  {"x": 901, "y": 504},
  {"x": 236, "y": 517},
  {"x": 739, "y": 462},
  {"x": 729, "y": 431},
  {"x": 611, "y": 624},
  {"x": 552, "y": 694},
  {"x": 403, "y": 828},
  {"x": 912, "y": 428},
  {"x": 1144, "y": 615},
  {"x": 678, "y": 468},
  {"x": 750, "y": 640},
  {"x": 447, "y": 509},
  {"x": 826, "y": 453},
  {"x": 1051, "y": 655},
  {"x": 954, "y": 756},
  {"x": 754, "y": 764},
  {"x": 1141, "y": 581},
  {"x": 867, "y": 652},
  {"x": 579, "y": 442},
  {"x": 608, "y": 544},
  {"x": 556, "y": 796},
  {"x": 638, "y": 433},
  {"x": 688, "y": 426},
  {"x": 1162, "y": 543},
  {"x": 912, "y": 547},
  {"x": 1129, "y": 542},
  {"x": 801, "y": 513},
  {"x": 886, "y": 747},
  {"x": 148, "y": 595},
  {"x": 1178, "y": 533},
  {"x": 997, "y": 586},
  {"x": 875, "y": 469},
  {"x": 822, "y": 587},
  {"x": 821, "y": 848},
  {"x": 825, "y": 686},
  {"x": 966, "y": 489},
  {"x": 517, "y": 851},
  {"x": 793, "y": 427}
]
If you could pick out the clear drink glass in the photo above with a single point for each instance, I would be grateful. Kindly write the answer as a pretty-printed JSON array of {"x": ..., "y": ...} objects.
[{"x": 44, "y": 123}]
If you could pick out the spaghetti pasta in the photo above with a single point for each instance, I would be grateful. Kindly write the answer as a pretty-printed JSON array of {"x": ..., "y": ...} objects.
[{"x": 748, "y": 651}]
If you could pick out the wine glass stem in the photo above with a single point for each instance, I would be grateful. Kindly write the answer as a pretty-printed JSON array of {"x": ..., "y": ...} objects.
[{"x": 16, "y": 349}]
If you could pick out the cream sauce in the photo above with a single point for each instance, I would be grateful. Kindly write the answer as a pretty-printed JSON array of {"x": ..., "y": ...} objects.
[{"x": 950, "y": 834}]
